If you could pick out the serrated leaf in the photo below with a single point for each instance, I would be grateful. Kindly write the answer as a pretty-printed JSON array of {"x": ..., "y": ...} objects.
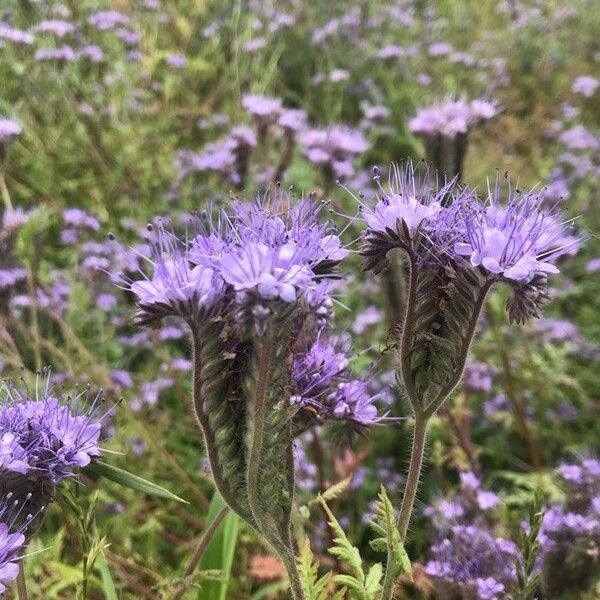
[
  {"x": 131, "y": 481},
  {"x": 314, "y": 588},
  {"x": 335, "y": 491},
  {"x": 384, "y": 522},
  {"x": 349, "y": 582},
  {"x": 373, "y": 580}
]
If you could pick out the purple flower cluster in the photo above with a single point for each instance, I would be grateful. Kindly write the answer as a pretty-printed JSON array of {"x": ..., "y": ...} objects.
[
  {"x": 577, "y": 521},
  {"x": 470, "y": 563},
  {"x": 452, "y": 117},
  {"x": 43, "y": 440},
  {"x": 265, "y": 256},
  {"x": 570, "y": 533},
  {"x": 469, "y": 506},
  {"x": 323, "y": 383},
  {"x": 9, "y": 129},
  {"x": 513, "y": 241},
  {"x": 333, "y": 149},
  {"x": 12, "y": 539}
]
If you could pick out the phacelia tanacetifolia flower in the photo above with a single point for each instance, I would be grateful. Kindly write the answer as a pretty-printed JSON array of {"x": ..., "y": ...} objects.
[
  {"x": 515, "y": 241},
  {"x": 13, "y": 523},
  {"x": 404, "y": 213},
  {"x": 43, "y": 440}
]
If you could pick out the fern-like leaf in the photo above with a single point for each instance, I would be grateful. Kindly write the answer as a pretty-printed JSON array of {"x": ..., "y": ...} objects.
[
  {"x": 315, "y": 588},
  {"x": 360, "y": 585},
  {"x": 384, "y": 524}
]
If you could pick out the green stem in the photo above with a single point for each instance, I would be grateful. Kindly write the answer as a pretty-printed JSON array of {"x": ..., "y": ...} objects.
[
  {"x": 204, "y": 425},
  {"x": 407, "y": 334},
  {"x": 205, "y": 539},
  {"x": 21, "y": 584},
  {"x": 291, "y": 567},
  {"x": 4, "y": 192},
  {"x": 387, "y": 591},
  {"x": 257, "y": 429},
  {"x": 431, "y": 409},
  {"x": 414, "y": 474}
]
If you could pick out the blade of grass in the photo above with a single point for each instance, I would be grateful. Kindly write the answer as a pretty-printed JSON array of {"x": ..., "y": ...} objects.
[{"x": 219, "y": 552}]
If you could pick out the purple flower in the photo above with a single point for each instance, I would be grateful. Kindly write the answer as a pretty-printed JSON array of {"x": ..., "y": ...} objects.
[
  {"x": 56, "y": 27},
  {"x": 478, "y": 377},
  {"x": 12, "y": 539},
  {"x": 402, "y": 216},
  {"x": 63, "y": 52},
  {"x": 516, "y": 241},
  {"x": 452, "y": 117},
  {"x": 9, "y": 129},
  {"x": 366, "y": 318},
  {"x": 314, "y": 371},
  {"x": 106, "y": 301},
  {"x": 585, "y": 85},
  {"x": 273, "y": 273},
  {"x": 15, "y": 35},
  {"x": 579, "y": 138},
  {"x": 93, "y": 52},
  {"x": 449, "y": 119},
  {"x": 489, "y": 588},
  {"x": 333, "y": 149},
  {"x": 121, "y": 378},
  {"x": 177, "y": 61},
  {"x": 352, "y": 401},
  {"x": 471, "y": 561},
  {"x": 176, "y": 288},
  {"x": 43, "y": 440},
  {"x": 439, "y": 49},
  {"x": 263, "y": 108},
  {"x": 105, "y": 20},
  {"x": 292, "y": 119},
  {"x": 11, "y": 276}
]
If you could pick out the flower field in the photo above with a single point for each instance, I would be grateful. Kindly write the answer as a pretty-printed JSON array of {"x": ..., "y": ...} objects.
[{"x": 299, "y": 300}]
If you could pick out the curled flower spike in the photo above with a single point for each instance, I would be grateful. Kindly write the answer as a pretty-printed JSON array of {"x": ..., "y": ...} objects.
[
  {"x": 249, "y": 282},
  {"x": 457, "y": 248},
  {"x": 43, "y": 439}
]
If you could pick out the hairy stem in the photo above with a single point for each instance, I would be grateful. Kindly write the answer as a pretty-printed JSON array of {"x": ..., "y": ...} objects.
[
  {"x": 414, "y": 474},
  {"x": 21, "y": 584},
  {"x": 407, "y": 334},
  {"x": 289, "y": 560},
  {"x": 203, "y": 542},
  {"x": 205, "y": 429},
  {"x": 258, "y": 427},
  {"x": 387, "y": 591}
]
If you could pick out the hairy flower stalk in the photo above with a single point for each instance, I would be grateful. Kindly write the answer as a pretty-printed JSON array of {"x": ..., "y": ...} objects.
[
  {"x": 457, "y": 248},
  {"x": 252, "y": 285}
]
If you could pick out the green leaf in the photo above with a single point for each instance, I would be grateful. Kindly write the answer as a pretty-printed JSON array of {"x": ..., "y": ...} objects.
[
  {"x": 335, "y": 491},
  {"x": 219, "y": 552},
  {"x": 314, "y": 588},
  {"x": 108, "y": 585},
  {"x": 373, "y": 580},
  {"x": 129, "y": 480},
  {"x": 384, "y": 524},
  {"x": 349, "y": 554}
]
